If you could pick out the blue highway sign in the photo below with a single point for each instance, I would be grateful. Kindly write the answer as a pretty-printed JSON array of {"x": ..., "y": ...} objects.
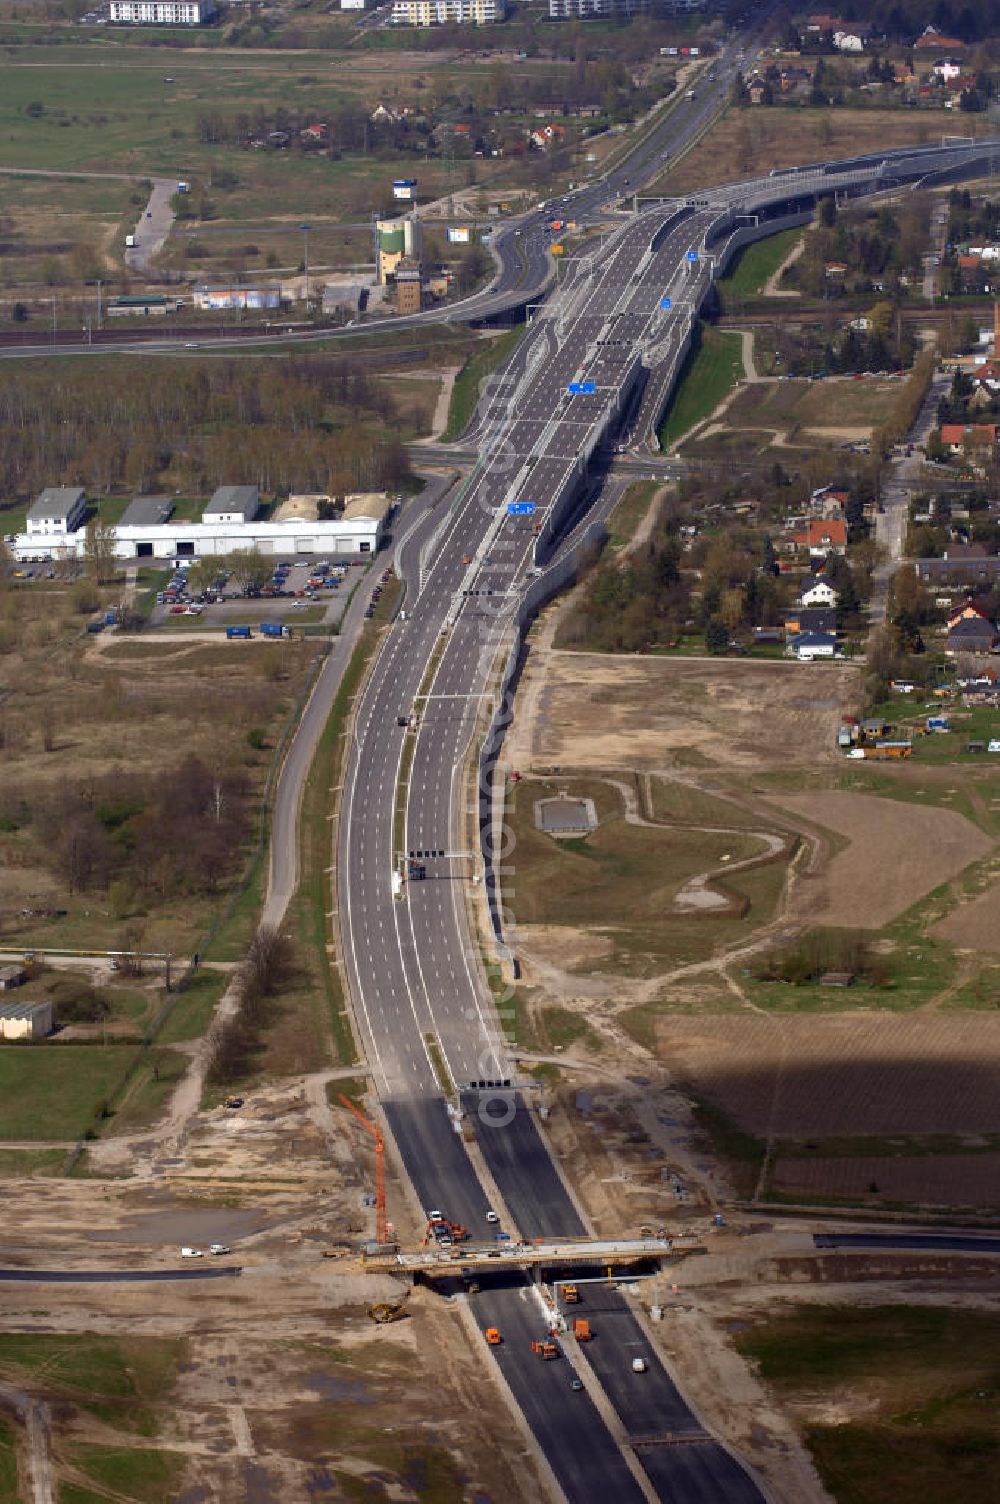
[
  {"x": 692, "y": 255},
  {"x": 520, "y": 508},
  {"x": 665, "y": 303},
  {"x": 582, "y": 388}
]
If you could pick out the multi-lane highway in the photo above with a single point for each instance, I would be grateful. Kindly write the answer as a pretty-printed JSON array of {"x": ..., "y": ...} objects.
[{"x": 426, "y": 1016}]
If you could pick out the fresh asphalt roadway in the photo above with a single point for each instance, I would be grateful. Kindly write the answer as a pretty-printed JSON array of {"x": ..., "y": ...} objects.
[
  {"x": 909, "y": 1242},
  {"x": 114, "y": 1276},
  {"x": 412, "y": 523},
  {"x": 415, "y": 977}
]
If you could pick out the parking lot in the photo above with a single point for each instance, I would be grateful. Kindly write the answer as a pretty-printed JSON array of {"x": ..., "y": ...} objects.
[{"x": 298, "y": 593}]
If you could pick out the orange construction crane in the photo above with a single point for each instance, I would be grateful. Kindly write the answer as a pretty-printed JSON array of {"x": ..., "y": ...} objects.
[{"x": 381, "y": 1223}]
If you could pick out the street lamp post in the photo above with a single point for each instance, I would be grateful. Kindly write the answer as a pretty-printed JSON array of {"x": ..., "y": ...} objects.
[{"x": 305, "y": 261}]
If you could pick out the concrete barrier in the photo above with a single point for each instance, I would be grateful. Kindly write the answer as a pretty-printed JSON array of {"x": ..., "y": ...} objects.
[{"x": 538, "y": 593}]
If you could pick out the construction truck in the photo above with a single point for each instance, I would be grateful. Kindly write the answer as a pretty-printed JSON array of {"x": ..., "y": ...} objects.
[
  {"x": 385, "y": 1311},
  {"x": 545, "y": 1349},
  {"x": 570, "y": 1295},
  {"x": 493, "y": 1336},
  {"x": 581, "y": 1329}
]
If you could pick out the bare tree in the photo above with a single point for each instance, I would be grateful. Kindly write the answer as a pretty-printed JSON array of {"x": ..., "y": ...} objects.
[{"x": 99, "y": 551}]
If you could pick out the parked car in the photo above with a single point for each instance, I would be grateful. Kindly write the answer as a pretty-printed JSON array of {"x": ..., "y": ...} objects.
[{"x": 192, "y": 1253}]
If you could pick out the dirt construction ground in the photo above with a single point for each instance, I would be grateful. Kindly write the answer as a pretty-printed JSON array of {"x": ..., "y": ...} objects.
[
  {"x": 897, "y": 852},
  {"x": 592, "y": 710}
]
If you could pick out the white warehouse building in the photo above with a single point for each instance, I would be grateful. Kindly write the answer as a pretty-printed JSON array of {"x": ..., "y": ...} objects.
[{"x": 229, "y": 522}]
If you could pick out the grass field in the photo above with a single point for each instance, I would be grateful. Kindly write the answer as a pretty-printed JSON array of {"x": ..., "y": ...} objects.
[
  {"x": 8, "y": 1462},
  {"x": 469, "y": 381},
  {"x": 711, "y": 371},
  {"x": 914, "y": 1390},
  {"x": 755, "y": 264},
  {"x": 133, "y": 113},
  {"x": 612, "y": 891},
  {"x": 149, "y": 1475},
  {"x": 54, "y": 1091}
]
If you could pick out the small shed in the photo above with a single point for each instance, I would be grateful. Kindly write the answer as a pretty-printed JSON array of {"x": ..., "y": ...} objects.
[
  {"x": 25, "y": 1021},
  {"x": 12, "y": 976}
]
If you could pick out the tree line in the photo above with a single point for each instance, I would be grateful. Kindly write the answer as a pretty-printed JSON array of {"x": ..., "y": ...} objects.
[
  {"x": 142, "y": 837},
  {"x": 315, "y": 424}
]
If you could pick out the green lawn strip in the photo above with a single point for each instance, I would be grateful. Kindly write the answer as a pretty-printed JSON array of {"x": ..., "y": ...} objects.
[
  {"x": 641, "y": 1021},
  {"x": 480, "y": 364},
  {"x": 72, "y": 1493},
  {"x": 982, "y": 992},
  {"x": 123, "y": 1370},
  {"x": 629, "y": 513},
  {"x": 713, "y": 367},
  {"x": 33, "y": 1162},
  {"x": 144, "y": 1095},
  {"x": 564, "y": 1028},
  {"x": 192, "y": 1012},
  {"x": 148, "y": 1475},
  {"x": 755, "y": 263},
  {"x": 924, "y": 1378},
  {"x": 441, "y": 1071}
]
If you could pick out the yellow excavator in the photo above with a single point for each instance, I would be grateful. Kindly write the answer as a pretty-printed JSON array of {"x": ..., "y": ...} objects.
[{"x": 385, "y": 1311}]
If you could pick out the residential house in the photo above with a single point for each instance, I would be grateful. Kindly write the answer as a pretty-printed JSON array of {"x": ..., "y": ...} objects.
[
  {"x": 547, "y": 135},
  {"x": 808, "y": 646},
  {"x": 852, "y": 37},
  {"x": 810, "y": 619},
  {"x": 972, "y": 634},
  {"x": 987, "y": 377},
  {"x": 966, "y": 551},
  {"x": 973, "y": 274},
  {"x": 759, "y": 91},
  {"x": 955, "y": 436},
  {"x": 967, "y": 574},
  {"x": 819, "y": 593},
  {"x": 829, "y": 501},
  {"x": 794, "y": 79},
  {"x": 967, "y": 611},
  {"x": 932, "y": 40},
  {"x": 822, "y": 536}
]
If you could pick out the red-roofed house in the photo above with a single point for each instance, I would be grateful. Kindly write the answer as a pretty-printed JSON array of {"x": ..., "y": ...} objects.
[
  {"x": 968, "y": 610},
  {"x": 955, "y": 435},
  {"x": 931, "y": 40},
  {"x": 822, "y": 536}
]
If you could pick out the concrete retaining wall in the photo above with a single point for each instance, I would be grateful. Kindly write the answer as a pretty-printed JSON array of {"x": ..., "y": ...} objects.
[{"x": 491, "y": 836}]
